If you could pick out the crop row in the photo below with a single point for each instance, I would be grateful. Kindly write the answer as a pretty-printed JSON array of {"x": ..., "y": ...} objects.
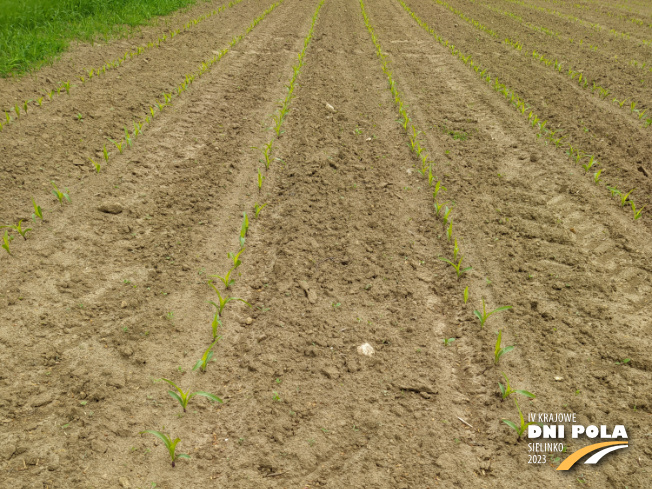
[
  {"x": 574, "y": 42},
  {"x": 222, "y": 299},
  {"x": 577, "y": 155},
  {"x": 21, "y": 109},
  {"x": 482, "y": 315},
  {"x": 130, "y": 135},
  {"x": 579, "y": 74},
  {"x": 592, "y": 25}
]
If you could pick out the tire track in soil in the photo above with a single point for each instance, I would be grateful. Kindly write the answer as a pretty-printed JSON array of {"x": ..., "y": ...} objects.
[
  {"x": 55, "y": 145},
  {"x": 105, "y": 353},
  {"x": 342, "y": 419},
  {"x": 552, "y": 223},
  {"x": 618, "y": 142}
]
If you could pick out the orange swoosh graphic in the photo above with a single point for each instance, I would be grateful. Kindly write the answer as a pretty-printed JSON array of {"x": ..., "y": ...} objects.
[{"x": 571, "y": 459}]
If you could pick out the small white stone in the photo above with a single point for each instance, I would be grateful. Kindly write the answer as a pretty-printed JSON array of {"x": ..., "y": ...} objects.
[
  {"x": 559, "y": 379},
  {"x": 330, "y": 107},
  {"x": 366, "y": 349}
]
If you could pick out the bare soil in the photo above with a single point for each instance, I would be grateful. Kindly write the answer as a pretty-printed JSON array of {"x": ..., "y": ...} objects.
[{"x": 109, "y": 293}]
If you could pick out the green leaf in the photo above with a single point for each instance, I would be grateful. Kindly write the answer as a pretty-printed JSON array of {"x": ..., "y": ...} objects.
[
  {"x": 511, "y": 424},
  {"x": 159, "y": 435},
  {"x": 208, "y": 395},
  {"x": 526, "y": 393}
]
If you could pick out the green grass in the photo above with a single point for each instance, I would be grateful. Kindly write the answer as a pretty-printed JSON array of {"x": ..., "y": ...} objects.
[{"x": 33, "y": 32}]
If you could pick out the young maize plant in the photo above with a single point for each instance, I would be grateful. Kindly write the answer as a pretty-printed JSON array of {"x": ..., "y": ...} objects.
[
  {"x": 456, "y": 266},
  {"x": 60, "y": 195},
  {"x": 38, "y": 212},
  {"x": 223, "y": 301},
  {"x": 506, "y": 390},
  {"x": 184, "y": 397},
  {"x": 484, "y": 315},
  {"x": 498, "y": 351},
  {"x": 97, "y": 166},
  {"x": 202, "y": 363},
  {"x": 267, "y": 153},
  {"x": 466, "y": 294},
  {"x": 520, "y": 429},
  {"x": 170, "y": 444},
  {"x": 6, "y": 240},
  {"x": 257, "y": 209},
  {"x": 261, "y": 177},
  {"x": 19, "y": 229},
  {"x": 244, "y": 229}
]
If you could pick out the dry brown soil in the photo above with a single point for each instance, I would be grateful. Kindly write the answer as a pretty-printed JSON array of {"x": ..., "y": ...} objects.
[{"x": 109, "y": 293}]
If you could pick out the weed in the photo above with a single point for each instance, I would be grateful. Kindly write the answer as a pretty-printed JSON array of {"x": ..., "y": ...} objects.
[
  {"x": 485, "y": 315},
  {"x": 506, "y": 390},
  {"x": 624, "y": 361},
  {"x": 184, "y": 397},
  {"x": 276, "y": 396},
  {"x": 170, "y": 444},
  {"x": 448, "y": 341},
  {"x": 498, "y": 351}
]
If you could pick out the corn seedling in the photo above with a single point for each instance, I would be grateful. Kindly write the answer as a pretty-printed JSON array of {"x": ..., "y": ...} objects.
[
  {"x": 215, "y": 325},
  {"x": 439, "y": 207},
  {"x": 596, "y": 177},
  {"x": 438, "y": 188},
  {"x": 589, "y": 165},
  {"x": 506, "y": 390},
  {"x": 6, "y": 239},
  {"x": 184, "y": 397},
  {"x": 637, "y": 213},
  {"x": 66, "y": 87},
  {"x": 449, "y": 230},
  {"x": 170, "y": 444},
  {"x": 498, "y": 351},
  {"x": 523, "y": 425},
  {"x": 258, "y": 208},
  {"x": 202, "y": 363},
  {"x": 235, "y": 258},
  {"x": 261, "y": 177},
  {"x": 223, "y": 300},
  {"x": 458, "y": 267},
  {"x": 38, "y": 212},
  {"x": 484, "y": 315},
  {"x": 623, "y": 198},
  {"x": 456, "y": 250},
  {"x": 19, "y": 229},
  {"x": 97, "y": 166},
  {"x": 59, "y": 194},
  {"x": 244, "y": 229},
  {"x": 267, "y": 153},
  {"x": 466, "y": 294},
  {"x": 226, "y": 280},
  {"x": 106, "y": 154}
]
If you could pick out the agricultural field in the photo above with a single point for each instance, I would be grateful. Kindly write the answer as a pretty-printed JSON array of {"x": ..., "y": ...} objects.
[{"x": 329, "y": 243}]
